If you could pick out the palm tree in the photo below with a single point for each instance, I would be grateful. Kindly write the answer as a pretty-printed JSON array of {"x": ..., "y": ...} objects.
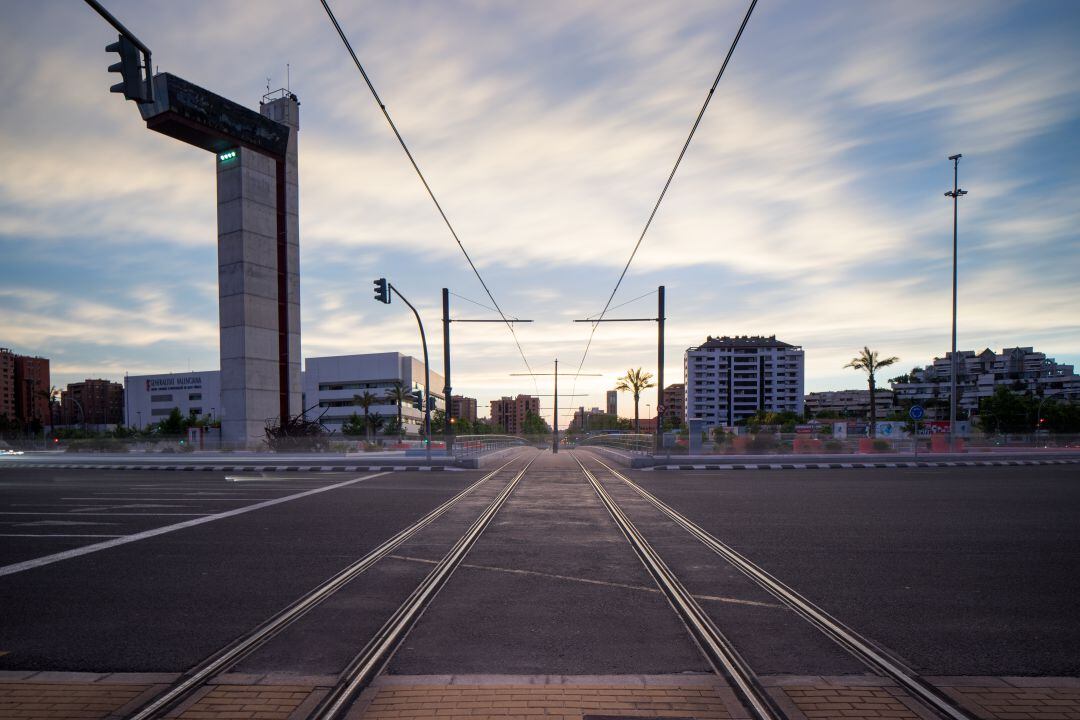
[
  {"x": 867, "y": 361},
  {"x": 365, "y": 400},
  {"x": 396, "y": 394},
  {"x": 634, "y": 381}
]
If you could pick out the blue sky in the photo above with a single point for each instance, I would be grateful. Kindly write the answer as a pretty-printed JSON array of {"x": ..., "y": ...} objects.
[{"x": 810, "y": 205}]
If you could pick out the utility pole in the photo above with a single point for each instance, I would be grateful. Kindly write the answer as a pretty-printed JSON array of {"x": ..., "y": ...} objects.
[
  {"x": 956, "y": 194},
  {"x": 661, "y": 408},
  {"x": 448, "y": 425},
  {"x": 659, "y": 320},
  {"x": 448, "y": 430}
]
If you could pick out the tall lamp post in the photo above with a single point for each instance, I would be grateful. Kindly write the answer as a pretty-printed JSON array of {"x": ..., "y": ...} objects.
[{"x": 955, "y": 194}]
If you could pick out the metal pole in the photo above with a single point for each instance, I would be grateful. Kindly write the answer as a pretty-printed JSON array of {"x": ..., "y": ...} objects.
[
  {"x": 427, "y": 373},
  {"x": 660, "y": 368},
  {"x": 555, "y": 420},
  {"x": 448, "y": 427},
  {"x": 954, "y": 366}
]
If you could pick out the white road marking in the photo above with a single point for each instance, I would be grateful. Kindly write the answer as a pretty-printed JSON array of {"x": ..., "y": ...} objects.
[
  {"x": 86, "y": 550},
  {"x": 58, "y": 536}
]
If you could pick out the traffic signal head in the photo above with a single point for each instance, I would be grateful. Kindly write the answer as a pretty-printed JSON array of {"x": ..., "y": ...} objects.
[
  {"x": 131, "y": 72},
  {"x": 417, "y": 399},
  {"x": 382, "y": 291}
]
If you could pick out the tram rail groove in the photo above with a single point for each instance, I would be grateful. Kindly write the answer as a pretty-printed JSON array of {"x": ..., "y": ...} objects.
[
  {"x": 721, "y": 653},
  {"x": 379, "y": 649},
  {"x": 863, "y": 649},
  {"x": 231, "y": 654}
]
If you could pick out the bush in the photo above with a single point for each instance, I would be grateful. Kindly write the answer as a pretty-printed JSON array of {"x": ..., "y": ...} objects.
[
  {"x": 109, "y": 445},
  {"x": 882, "y": 446},
  {"x": 763, "y": 441},
  {"x": 834, "y": 446}
]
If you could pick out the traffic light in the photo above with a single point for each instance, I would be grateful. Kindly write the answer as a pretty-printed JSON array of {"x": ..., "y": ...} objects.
[
  {"x": 382, "y": 291},
  {"x": 417, "y": 399},
  {"x": 130, "y": 68}
]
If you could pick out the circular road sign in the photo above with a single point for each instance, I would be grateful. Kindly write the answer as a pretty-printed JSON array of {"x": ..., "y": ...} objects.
[
  {"x": 916, "y": 412},
  {"x": 660, "y": 409}
]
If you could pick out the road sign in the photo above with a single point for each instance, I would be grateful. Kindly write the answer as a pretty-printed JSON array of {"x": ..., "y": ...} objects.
[
  {"x": 660, "y": 409},
  {"x": 916, "y": 412}
]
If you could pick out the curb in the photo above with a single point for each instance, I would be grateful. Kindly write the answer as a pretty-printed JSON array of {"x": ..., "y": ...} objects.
[{"x": 861, "y": 465}]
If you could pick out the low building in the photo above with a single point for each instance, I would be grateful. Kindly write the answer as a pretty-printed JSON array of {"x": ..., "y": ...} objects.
[
  {"x": 463, "y": 408},
  {"x": 594, "y": 419},
  {"x": 1020, "y": 369},
  {"x": 94, "y": 402},
  {"x": 849, "y": 403},
  {"x": 149, "y": 399},
  {"x": 675, "y": 402},
  {"x": 508, "y": 414},
  {"x": 332, "y": 384},
  {"x": 729, "y": 379}
]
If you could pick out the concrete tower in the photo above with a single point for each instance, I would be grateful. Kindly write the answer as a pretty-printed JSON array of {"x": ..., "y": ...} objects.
[{"x": 259, "y": 282}]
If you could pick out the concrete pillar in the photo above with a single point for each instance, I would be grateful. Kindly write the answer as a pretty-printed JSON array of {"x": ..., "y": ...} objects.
[{"x": 260, "y": 337}]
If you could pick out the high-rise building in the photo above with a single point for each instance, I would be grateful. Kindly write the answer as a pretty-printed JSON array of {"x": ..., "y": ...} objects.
[
  {"x": 463, "y": 408},
  {"x": 612, "y": 402},
  {"x": 729, "y": 379},
  {"x": 508, "y": 414},
  {"x": 675, "y": 402},
  {"x": 92, "y": 402},
  {"x": 1020, "y": 369},
  {"x": 24, "y": 388}
]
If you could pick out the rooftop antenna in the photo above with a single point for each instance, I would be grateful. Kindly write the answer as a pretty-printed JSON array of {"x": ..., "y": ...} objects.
[
  {"x": 267, "y": 86},
  {"x": 288, "y": 88}
]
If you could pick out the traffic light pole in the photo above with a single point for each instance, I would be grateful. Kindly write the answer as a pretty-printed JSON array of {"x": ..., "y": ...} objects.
[
  {"x": 147, "y": 94},
  {"x": 427, "y": 371}
]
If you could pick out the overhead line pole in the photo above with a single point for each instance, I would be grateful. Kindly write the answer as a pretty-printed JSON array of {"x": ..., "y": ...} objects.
[
  {"x": 659, "y": 320},
  {"x": 448, "y": 430},
  {"x": 956, "y": 194},
  {"x": 555, "y": 417}
]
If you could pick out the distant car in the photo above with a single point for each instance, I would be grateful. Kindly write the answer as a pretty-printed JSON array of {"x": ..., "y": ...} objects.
[{"x": 11, "y": 452}]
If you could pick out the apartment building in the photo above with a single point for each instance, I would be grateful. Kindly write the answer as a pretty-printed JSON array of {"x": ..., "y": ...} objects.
[
  {"x": 849, "y": 403},
  {"x": 94, "y": 402},
  {"x": 1021, "y": 369},
  {"x": 675, "y": 402},
  {"x": 508, "y": 414},
  {"x": 728, "y": 379},
  {"x": 24, "y": 387},
  {"x": 463, "y": 408}
]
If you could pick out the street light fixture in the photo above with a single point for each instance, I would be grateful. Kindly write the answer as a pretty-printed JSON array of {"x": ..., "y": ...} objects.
[{"x": 955, "y": 194}]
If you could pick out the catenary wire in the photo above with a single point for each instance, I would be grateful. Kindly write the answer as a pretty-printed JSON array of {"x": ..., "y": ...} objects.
[
  {"x": 639, "y": 297},
  {"x": 430, "y": 192},
  {"x": 667, "y": 184}
]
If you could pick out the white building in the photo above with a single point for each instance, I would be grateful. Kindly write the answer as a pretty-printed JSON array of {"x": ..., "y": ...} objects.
[
  {"x": 150, "y": 398},
  {"x": 1020, "y": 369},
  {"x": 731, "y": 378},
  {"x": 331, "y": 385}
]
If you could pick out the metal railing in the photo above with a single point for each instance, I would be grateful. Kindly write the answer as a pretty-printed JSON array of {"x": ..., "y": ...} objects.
[
  {"x": 477, "y": 445},
  {"x": 634, "y": 443}
]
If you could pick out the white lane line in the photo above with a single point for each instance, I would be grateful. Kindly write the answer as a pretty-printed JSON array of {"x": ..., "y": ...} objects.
[
  {"x": 57, "y": 536},
  {"x": 73, "y": 513},
  {"x": 86, "y": 550}
]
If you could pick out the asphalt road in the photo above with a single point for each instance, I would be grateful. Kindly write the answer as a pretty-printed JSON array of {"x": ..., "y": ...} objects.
[
  {"x": 958, "y": 571},
  {"x": 163, "y": 603}
]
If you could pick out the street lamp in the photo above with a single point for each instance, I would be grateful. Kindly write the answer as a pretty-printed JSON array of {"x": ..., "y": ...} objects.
[{"x": 956, "y": 194}]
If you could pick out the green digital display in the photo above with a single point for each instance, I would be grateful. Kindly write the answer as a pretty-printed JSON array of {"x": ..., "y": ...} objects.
[{"x": 227, "y": 156}]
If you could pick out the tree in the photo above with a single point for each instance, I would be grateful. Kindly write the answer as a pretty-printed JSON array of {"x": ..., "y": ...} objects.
[
  {"x": 52, "y": 395},
  {"x": 867, "y": 360},
  {"x": 397, "y": 395},
  {"x": 354, "y": 426},
  {"x": 634, "y": 381},
  {"x": 534, "y": 425},
  {"x": 365, "y": 400},
  {"x": 438, "y": 421}
]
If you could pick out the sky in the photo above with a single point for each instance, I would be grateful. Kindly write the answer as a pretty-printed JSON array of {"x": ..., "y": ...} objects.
[{"x": 809, "y": 206}]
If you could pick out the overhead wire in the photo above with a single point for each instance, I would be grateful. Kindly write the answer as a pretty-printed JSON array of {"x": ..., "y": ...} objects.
[
  {"x": 430, "y": 192},
  {"x": 639, "y": 297},
  {"x": 667, "y": 184}
]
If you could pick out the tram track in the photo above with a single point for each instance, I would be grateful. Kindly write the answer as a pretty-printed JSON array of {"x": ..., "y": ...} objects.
[
  {"x": 877, "y": 660},
  {"x": 235, "y": 652}
]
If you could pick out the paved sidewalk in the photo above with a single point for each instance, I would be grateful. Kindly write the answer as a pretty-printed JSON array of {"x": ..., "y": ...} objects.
[{"x": 90, "y": 696}]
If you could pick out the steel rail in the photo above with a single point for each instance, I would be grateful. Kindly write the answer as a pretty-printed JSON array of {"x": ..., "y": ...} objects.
[
  {"x": 363, "y": 668},
  {"x": 236, "y": 651},
  {"x": 860, "y": 647},
  {"x": 723, "y": 656}
]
